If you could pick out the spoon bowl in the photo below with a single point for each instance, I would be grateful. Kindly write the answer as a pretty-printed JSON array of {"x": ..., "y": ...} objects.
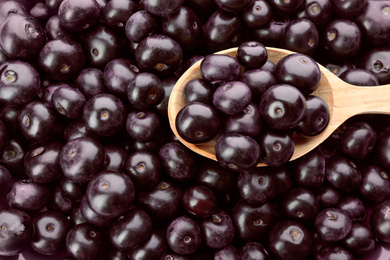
[{"x": 344, "y": 101}]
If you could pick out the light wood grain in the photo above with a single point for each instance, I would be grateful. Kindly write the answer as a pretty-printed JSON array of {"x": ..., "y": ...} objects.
[{"x": 344, "y": 101}]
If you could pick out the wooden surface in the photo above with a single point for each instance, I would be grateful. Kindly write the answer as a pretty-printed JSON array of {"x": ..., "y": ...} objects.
[{"x": 344, "y": 101}]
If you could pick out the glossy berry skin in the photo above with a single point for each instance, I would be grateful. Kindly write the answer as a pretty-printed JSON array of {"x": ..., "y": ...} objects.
[
  {"x": 300, "y": 35},
  {"x": 162, "y": 9},
  {"x": 199, "y": 201},
  {"x": 359, "y": 140},
  {"x": 217, "y": 68},
  {"x": 81, "y": 159},
  {"x": 253, "y": 223},
  {"x": 376, "y": 62},
  {"x": 11, "y": 7},
  {"x": 198, "y": 122},
  {"x": 153, "y": 247},
  {"x": 5, "y": 180},
  {"x": 354, "y": 206},
  {"x": 16, "y": 231},
  {"x": 61, "y": 59},
  {"x": 252, "y": 54},
  {"x": 38, "y": 121},
  {"x": 256, "y": 186},
  {"x": 12, "y": 156},
  {"x": 117, "y": 75},
  {"x": 227, "y": 252},
  {"x": 258, "y": 80},
  {"x": 247, "y": 122},
  {"x": 177, "y": 161},
  {"x": 318, "y": 11},
  {"x": 68, "y": 102},
  {"x": 232, "y": 97},
  {"x": 140, "y": 25},
  {"x": 217, "y": 230},
  {"x": 276, "y": 147},
  {"x": 110, "y": 193},
  {"x": 51, "y": 228},
  {"x": 289, "y": 239},
  {"x": 333, "y": 251},
  {"x": 104, "y": 114},
  {"x": 90, "y": 82},
  {"x": 163, "y": 201},
  {"x": 21, "y": 37},
  {"x": 129, "y": 230},
  {"x": 85, "y": 241},
  {"x": 349, "y": 9},
  {"x": 258, "y": 14},
  {"x": 359, "y": 77},
  {"x": 183, "y": 235},
  {"x": 116, "y": 13},
  {"x": 145, "y": 91},
  {"x": 144, "y": 168},
  {"x": 381, "y": 149},
  {"x": 199, "y": 90},
  {"x": 379, "y": 221},
  {"x": 142, "y": 125},
  {"x": 27, "y": 195},
  {"x": 375, "y": 184},
  {"x": 360, "y": 240},
  {"x": 282, "y": 106},
  {"x": 300, "y": 204},
  {"x": 333, "y": 224},
  {"x": 316, "y": 117},
  {"x": 91, "y": 216},
  {"x": 237, "y": 152},
  {"x": 254, "y": 250},
  {"x": 343, "y": 174},
  {"x": 75, "y": 16},
  {"x": 328, "y": 196},
  {"x": 299, "y": 70},
  {"x": 54, "y": 29},
  {"x": 19, "y": 82},
  {"x": 42, "y": 162},
  {"x": 159, "y": 54},
  {"x": 271, "y": 33}
]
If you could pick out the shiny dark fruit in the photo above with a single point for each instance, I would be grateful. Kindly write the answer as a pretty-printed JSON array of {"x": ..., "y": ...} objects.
[
  {"x": 252, "y": 54},
  {"x": 328, "y": 196},
  {"x": 359, "y": 77},
  {"x": 256, "y": 186},
  {"x": 140, "y": 25},
  {"x": 223, "y": 30},
  {"x": 54, "y": 29},
  {"x": 47, "y": 94},
  {"x": 382, "y": 156},
  {"x": 27, "y": 195},
  {"x": 199, "y": 90},
  {"x": 341, "y": 38},
  {"x": 42, "y": 162},
  {"x": 85, "y": 241},
  {"x": 71, "y": 190},
  {"x": 91, "y": 217},
  {"x": 183, "y": 235},
  {"x": 359, "y": 140},
  {"x": 75, "y": 129},
  {"x": 276, "y": 147},
  {"x": 247, "y": 122},
  {"x": 16, "y": 231},
  {"x": 51, "y": 228},
  {"x": 286, "y": 7},
  {"x": 12, "y": 156},
  {"x": 271, "y": 33},
  {"x": 232, "y": 97},
  {"x": 163, "y": 201},
  {"x": 38, "y": 121},
  {"x": 282, "y": 178},
  {"x": 300, "y": 35},
  {"x": 19, "y": 83},
  {"x": 57, "y": 200},
  {"x": 217, "y": 230},
  {"x": 5, "y": 180},
  {"x": 145, "y": 91},
  {"x": 81, "y": 159},
  {"x": 110, "y": 193},
  {"x": 78, "y": 16},
  {"x": 309, "y": 170},
  {"x": 300, "y": 204},
  {"x": 143, "y": 125},
  {"x": 61, "y": 59},
  {"x": 104, "y": 114},
  {"x": 282, "y": 106},
  {"x": 162, "y": 9},
  {"x": 320, "y": 12},
  {"x": 253, "y": 223},
  {"x": 12, "y": 7},
  {"x": 218, "y": 68},
  {"x": 153, "y": 247},
  {"x": 350, "y": 8},
  {"x": 237, "y": 152},
  {"x": 376, "y": 61},
  {"x": 258, "y": 80},
  {"x": 198, "y": 122},
  {"x": 177, "y": 161},
  {"x": 68, "y": 102},
  {"x": 40, "y": 12},
  {"x": 129, "y": 230},
  {"x": 144, "y": 168},
  {"x": 21, "y": 37},
  {"x": 228, "y": 252},
  {"x": 354, "y": 206},
  {"x": 184, "y": 26},
  {"x": 316, "y": 117},
  {"x": 333, "y": 224},
  {"x": 117, "y": 75},
  {"x": 233, "y": 5},
  {"x": 380, "y": 222},
  {"x": 199, "y": 201},
  {"x": 116, "y": 13},
  {"x": 360, "y": 240},
  {"x": 254, "y": 251},
  {"x": 300, "y": 71},
  {"x": 258, "y": 14},
  {"x": 343, "y": 174},
  {"x": 90, "y": 82},
  {"x": 159, "y": 54},
  {"x": 375, "y": 184},
  {"x": 333, "y": 252},
  {"x": 289, "y": 239}
]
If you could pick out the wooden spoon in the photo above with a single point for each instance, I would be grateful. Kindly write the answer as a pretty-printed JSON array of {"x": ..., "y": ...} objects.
[{"x": 344, "y": 101}]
